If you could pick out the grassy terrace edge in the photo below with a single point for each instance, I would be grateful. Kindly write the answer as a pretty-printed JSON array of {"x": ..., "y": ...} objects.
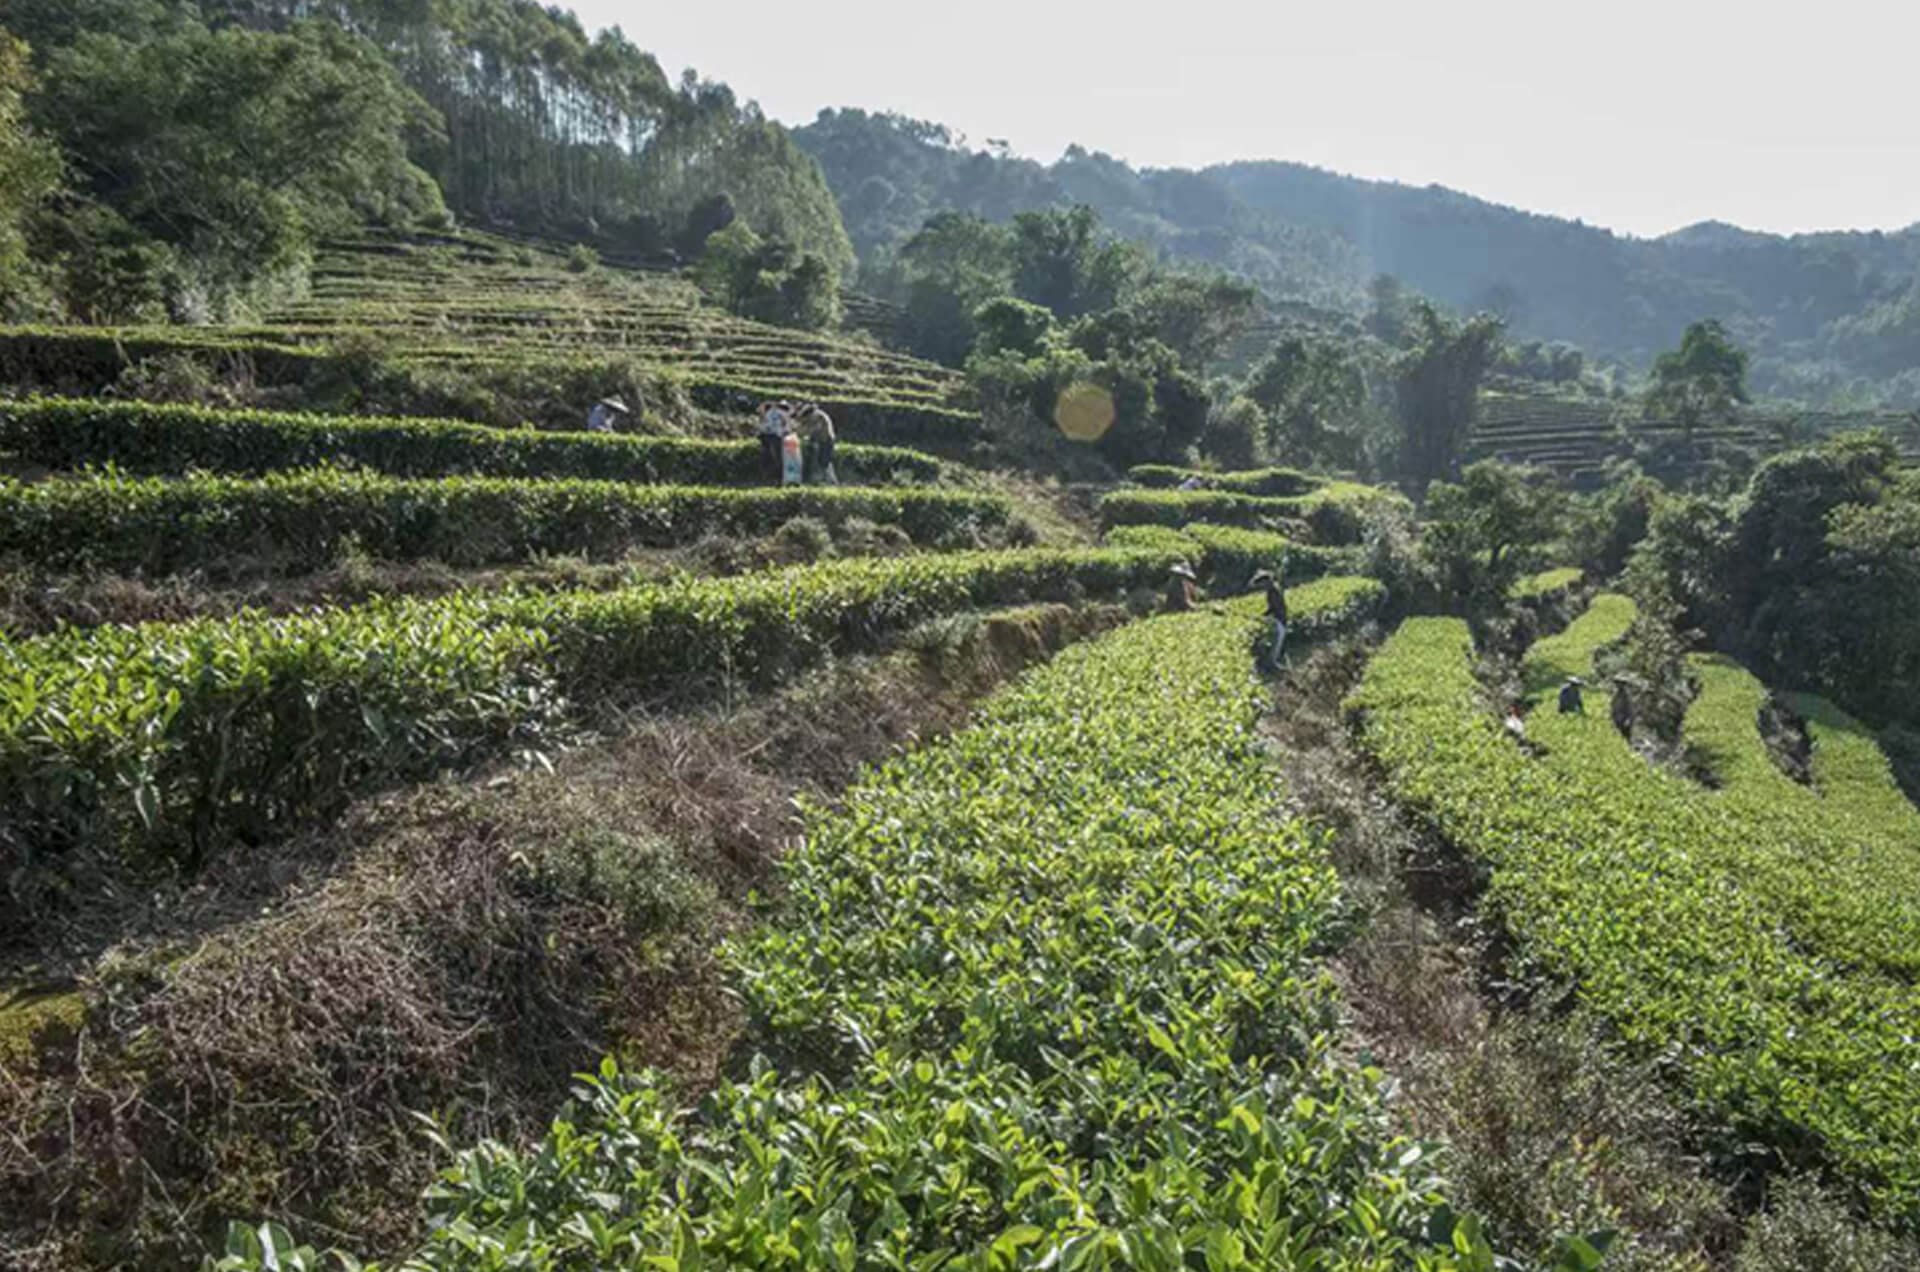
[
  {"x": 146, "y": 437},
  {"x": 1081, "y": 1026}
]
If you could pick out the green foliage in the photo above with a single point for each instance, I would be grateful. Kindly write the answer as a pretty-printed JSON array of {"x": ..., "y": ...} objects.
[
  {"x": 994, "y": 1041},
  {"x": 1702, "y": 381},
  {"x": 1546, "y": 584},
  {"x": 1197, "y": 316},
  {"x": 1009, "y": 326},
  {"x": 768, "y": 280},
  {"x": 1438, "y": 387},
  {"x": 1337, "y": 512},
  {"x": 1232, "y": 555},
  {"x": 1313, "y": 394},
  {"x": 1758, "y": 939},
  {"x": 306, "y": 520},
  {"x": 1252, "y": 481},
  {"x": 29, "y": 174},
  {"x": 1483, "y": 534},
  {"x": 1605, "y": 527},
  {"x": 235, "y": 148},
  {"x": 170, "y": 738},
  {"x": 1062, "y": 262},
  {"x": 1808, "y": 575},
  {"x": 1235, "y": 435},
  {"x": 141, "y": 437}
]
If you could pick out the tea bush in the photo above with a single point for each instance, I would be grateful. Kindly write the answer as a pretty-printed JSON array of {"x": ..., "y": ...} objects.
[
  {"x": 1044, "y": 996},
  {"x": 165, "y": 737},
  {"x": 1762, "y": 948},
  {"x": 146, "y": 437},
  {"x": 305, "y": 520}
]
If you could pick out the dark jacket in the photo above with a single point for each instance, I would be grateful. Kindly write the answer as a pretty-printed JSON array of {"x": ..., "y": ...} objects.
[{"x": 1276, "y": 601}]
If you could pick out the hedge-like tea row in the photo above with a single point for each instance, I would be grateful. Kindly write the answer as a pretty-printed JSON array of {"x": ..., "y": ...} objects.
[
  {"x": 174, "y": 735},
  {"x": 1234, "y": 555},
  {"x": 146, "y": 437},
  {"x": 305, "y": 520},
  {"x": 1763, "y": 948},
  {"x": 1335, "y": 514},
  {"x": 1251, "y": 481},
  {"x": 1054, "y": 983},
  {"x": 1546, "y": 585}
]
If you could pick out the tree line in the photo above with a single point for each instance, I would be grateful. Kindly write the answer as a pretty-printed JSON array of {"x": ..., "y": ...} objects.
[{"x": 169, "y": 159}]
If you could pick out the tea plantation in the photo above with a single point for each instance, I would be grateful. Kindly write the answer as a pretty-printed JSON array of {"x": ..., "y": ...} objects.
[{"x": 1754, "y": 933}]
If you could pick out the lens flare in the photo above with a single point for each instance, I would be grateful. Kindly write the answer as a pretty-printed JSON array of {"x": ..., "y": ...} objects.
[{"x": 1084, "y": 412}]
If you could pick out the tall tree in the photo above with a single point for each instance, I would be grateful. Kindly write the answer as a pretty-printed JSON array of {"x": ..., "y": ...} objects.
[
  {"x": 29, "y": 168},
  {"x": 1701, "y": 383},
  {"x": 1437, "y": 387},
  {"x": 1062, "y": 261}
]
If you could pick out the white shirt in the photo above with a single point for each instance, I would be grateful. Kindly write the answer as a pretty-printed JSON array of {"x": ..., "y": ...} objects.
[{"x": 600, "y": 418}]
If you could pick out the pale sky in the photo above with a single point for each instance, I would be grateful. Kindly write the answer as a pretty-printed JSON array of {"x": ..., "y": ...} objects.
[{"x": 1637, "y": 115}]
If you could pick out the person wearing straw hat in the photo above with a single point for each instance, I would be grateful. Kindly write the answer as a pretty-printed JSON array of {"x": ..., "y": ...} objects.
[
  {"x": 1571, "y": 701},
  {"x": 1181, "y": 593},
  {"x": 1276, "y": 613},
  {"x": 606, "y": 413}
]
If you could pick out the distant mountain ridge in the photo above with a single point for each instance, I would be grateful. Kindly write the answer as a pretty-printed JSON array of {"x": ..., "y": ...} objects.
[{"x": 1832, "y": 318}]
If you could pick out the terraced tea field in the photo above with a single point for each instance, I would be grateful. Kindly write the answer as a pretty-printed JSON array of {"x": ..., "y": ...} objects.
[
  {"x": 1757, "y": 935},
  {"x": 472, "y": 299},
  {"x": 1576, "y": 437},
  {"x": 1049, "y": 998}
]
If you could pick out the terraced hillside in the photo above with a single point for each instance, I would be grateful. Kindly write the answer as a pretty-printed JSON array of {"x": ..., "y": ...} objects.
[
  {"x": 469, "y": 299},
  {"x": 437, "y": 606},
  {"x": 1575, "y": 437},
  {"x": 1755, "y": 933}
]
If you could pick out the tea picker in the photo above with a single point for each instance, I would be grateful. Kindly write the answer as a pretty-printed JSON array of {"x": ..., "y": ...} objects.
[
  {"x": 1276, "y": 613},
  {"x": 1181, "y": 594},
  {"x": 1571, "y": 701},
  {"x": 606, "y": 413}
]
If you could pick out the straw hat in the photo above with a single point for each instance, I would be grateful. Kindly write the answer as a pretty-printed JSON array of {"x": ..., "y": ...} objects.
[
  {"x": 1184, "y": 570},
  {"x": 616, "y": 404}
]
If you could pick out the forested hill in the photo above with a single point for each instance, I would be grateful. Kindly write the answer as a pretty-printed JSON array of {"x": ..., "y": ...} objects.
[
  {"x": 161, "y": 158},
  {"x": 1829, "y": 317}
]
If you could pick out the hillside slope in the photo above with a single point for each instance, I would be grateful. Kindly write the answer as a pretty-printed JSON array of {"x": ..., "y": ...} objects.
[{"x": 1831, "y": 318}]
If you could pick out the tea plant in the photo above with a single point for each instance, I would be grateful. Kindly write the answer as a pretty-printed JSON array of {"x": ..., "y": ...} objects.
[
  {"x": 1763, "y": 950},
  {"x": 306, "y": 520},
  {"x": 152, "y": 438},
  {"x": 1044, "y": 996}
]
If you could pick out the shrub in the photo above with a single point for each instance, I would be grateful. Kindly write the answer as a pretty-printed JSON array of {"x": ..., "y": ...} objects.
[
  {"x": 141, "y": 437},
  {"x": 1075, "y": 1025},
  {"x": 171, "y": 737},
  {"x": 304, "y": 520}
]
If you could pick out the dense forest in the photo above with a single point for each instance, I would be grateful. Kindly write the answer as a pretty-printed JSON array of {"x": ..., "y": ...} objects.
[
  {"x": 1831, "y": 318},
  {"x": 182, "y": 159}
]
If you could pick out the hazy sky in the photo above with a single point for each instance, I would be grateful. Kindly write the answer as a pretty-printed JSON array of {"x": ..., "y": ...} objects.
[{"x": 1635, "y": 115}]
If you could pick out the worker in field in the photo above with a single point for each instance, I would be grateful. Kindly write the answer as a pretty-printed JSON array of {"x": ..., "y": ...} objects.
[
  {"x": 775, "y": 419},
  {"x": 606, "y": 415},
  {"x": 1571, "y": 701},
  {"x": 1182, "y": 595},
  {"x": 1623, "y": 706},
  {"x": 816, "y": 426},
  {"x": 1516, "y": 724},
  {"x": 1276, "y": 613}
]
